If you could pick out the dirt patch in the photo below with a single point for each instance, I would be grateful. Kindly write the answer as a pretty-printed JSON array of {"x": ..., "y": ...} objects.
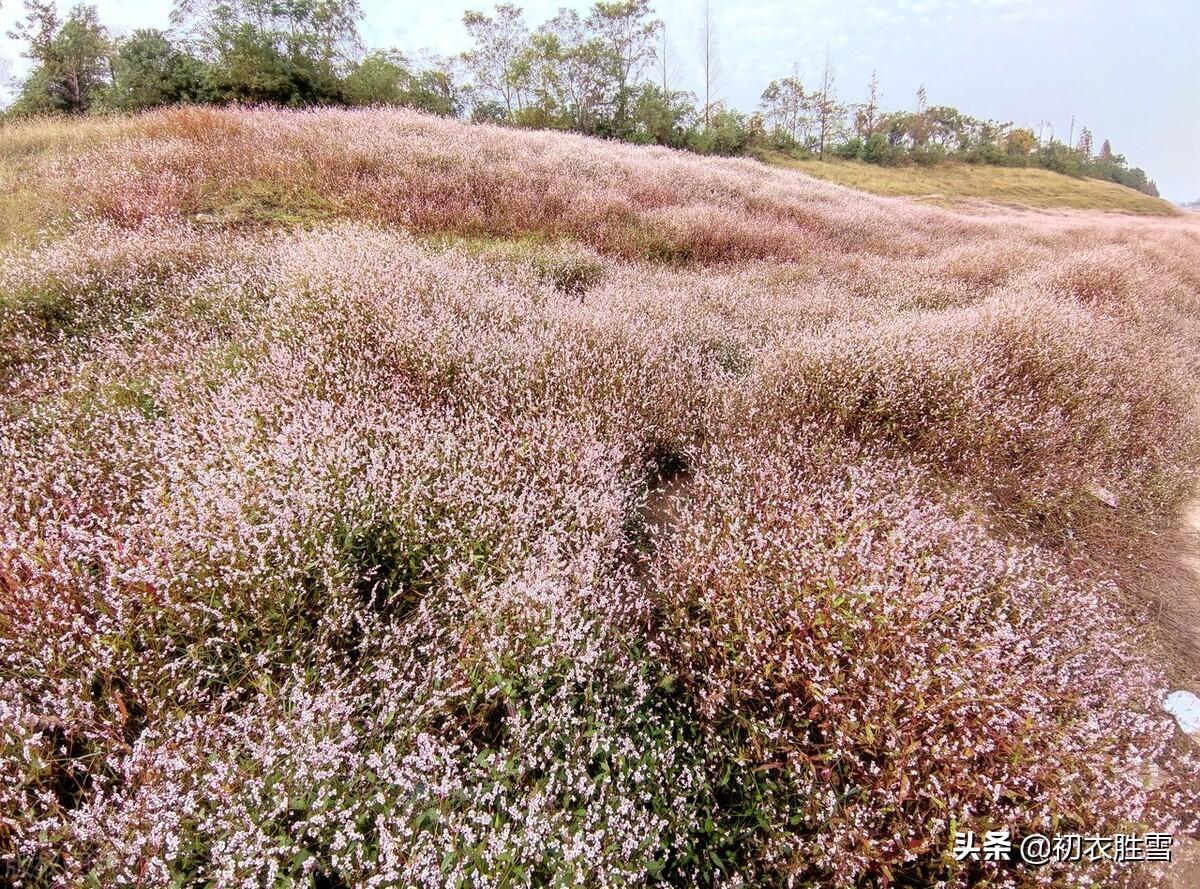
[
  {"x": 1184, "y": 870},
  {"x": 661, "y": 512},
  {"x": 1180, "y": 602}
]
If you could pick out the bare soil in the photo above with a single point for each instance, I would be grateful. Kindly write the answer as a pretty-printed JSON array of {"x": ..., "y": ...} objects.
[{"x": 1180, "y": 602}]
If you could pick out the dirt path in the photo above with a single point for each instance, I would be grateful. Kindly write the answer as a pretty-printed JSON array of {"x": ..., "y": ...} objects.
[
  {"x": 1191, "y": 558},
  {"x": 1180, "y": 601},
  {"x": 1181, "y": 617}
]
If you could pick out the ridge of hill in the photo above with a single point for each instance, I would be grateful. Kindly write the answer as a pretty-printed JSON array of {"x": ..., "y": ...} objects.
[{"x": 952, "y": 183}]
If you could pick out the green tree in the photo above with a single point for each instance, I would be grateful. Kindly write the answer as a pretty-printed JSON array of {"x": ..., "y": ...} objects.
[
  {"x": 572, "y": 73},
  {"x": 829, "y": 115},
  {"x": 71, "y": 59},
  {"x": 866, "y": 115},
  {"x": 785, "y": 105},
  {"x": 281, "y": 51},
  {"x": 436, "y": 89},
  {"x": 626, "y": 36},
  {"x": 385, "y": 77},
  {"x": 662, "y": 118},
  {"x": 727, "y": 133},
  {"x": 380, "y": 78},
  {"x": 148, "y": 71},
  {"x": 497, "y": 61}
]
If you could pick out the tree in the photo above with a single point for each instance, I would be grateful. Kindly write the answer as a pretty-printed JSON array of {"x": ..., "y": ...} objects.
[
  {"x": 37, "y": 30},
  {"x": 284, "y": 51},
  {"x": 386, "y": 77},
  {"x": 380, "y": 78},
  {"x": 436, "y": 88},
  {"x": 828, "y": 112},
  {"x": 574, "y": 76},
  {"x": 495, "y": 60},
  {"x": 661, "y": 118},
  {"x": 148, "y": 71},
  {"x": 727, "y": 133},
  {"x": 1020, "y": 142},
  {"x": 709, "y": 59},
  {"x": 1084, "y": 146},
  {"x": 666, "y": 66},
  {"x": 71, "y": 59},
  {"x": 627, "y": 36},
  {"x": 947, "y": 127},
  {"x": 249, "y": 67},
  {"x": 866, "y": 115},
  {"x": 784, "y": 104}
]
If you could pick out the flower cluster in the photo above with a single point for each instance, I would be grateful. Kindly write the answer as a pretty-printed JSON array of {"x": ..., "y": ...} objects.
[{"x": 521, "y": 509}]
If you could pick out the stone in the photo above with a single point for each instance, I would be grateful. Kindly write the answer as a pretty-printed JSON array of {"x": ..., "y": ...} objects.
[
  {"x": 1185, "y": 707},
  {"x": 1105, "y": 496}
]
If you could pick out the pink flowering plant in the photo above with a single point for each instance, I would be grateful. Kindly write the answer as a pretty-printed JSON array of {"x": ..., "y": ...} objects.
[{"x": 386, "y": 501}]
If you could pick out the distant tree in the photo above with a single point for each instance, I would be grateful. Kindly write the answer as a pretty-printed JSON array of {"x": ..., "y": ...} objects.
[
  {"x": 285, "y": 51},
  {"x": 666, "y": 65},
  {"x": 627, "y": 35},
  {"x": 386, "y": 77},
  {"x": 866, "y": 115},
  {"x": 1084, "y": 146},
  {"x": 249, "y": 67},
  {"x": 1106, "y": 152},
  {"x": 574, "y": 74},
  {"x": 727, "y": 133},
  {"x": 37, "y": 30},
  {"x": 497, "y": 59},
  {"x": 709, "y": 60},
  {"x": 381, "y": 78},
  {"x": 436, "y": 88},
  {"x": 71, "y": 59},
  {"x": 1060, "y": 158},
  {"x": 947, "y": 127},
  {"x": 827, "y": 112},
  {"x": 662, "y": 118},
  {"x": 319, "y": 31},
  {"x": 148, "y": 71},
  {"x": 489, "y": 111},
  {"x": 784, "y": 105},
  {"x": 1020, "y": 142}
]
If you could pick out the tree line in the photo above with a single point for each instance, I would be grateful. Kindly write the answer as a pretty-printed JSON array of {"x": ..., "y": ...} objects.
[{"x": 609, "y": 72}]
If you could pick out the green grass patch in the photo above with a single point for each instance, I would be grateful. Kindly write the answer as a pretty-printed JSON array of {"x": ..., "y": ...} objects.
[
  {"x": 561, "y": 264},
  {"x": 954, "y": 182},
  {"x": 268, "y": 203}
]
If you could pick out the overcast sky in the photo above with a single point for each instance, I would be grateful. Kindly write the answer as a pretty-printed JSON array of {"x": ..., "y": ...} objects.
[{"x": 1128, "y": 71}]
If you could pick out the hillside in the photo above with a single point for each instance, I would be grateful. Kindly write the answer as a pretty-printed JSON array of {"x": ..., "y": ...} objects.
[
  {"x": 951, "y": 183},
  {"x": 389, "y": 501}
]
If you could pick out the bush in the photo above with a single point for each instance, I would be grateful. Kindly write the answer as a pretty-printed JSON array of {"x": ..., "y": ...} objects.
[{"x": 727, "y": 134}]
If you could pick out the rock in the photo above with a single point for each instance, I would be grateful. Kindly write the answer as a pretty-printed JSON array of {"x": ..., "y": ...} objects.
[
  {"x": 1185, "y": 707},
  {"x": 1104, "y": 495}
]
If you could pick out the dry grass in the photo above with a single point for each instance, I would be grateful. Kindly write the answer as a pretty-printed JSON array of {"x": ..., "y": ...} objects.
[
  {"x": 953, "y": 183},
  {"x": 25, "y": 209}
]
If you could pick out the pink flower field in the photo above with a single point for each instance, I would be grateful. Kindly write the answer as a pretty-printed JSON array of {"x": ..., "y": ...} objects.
[{"x": 387, "y": 501}]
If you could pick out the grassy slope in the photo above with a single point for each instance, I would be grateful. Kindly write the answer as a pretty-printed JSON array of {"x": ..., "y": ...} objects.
[
  {"x": 953, "y": 182},
  {"x": 25, "y": 210},
  {"x": 802, "y": 367}
]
